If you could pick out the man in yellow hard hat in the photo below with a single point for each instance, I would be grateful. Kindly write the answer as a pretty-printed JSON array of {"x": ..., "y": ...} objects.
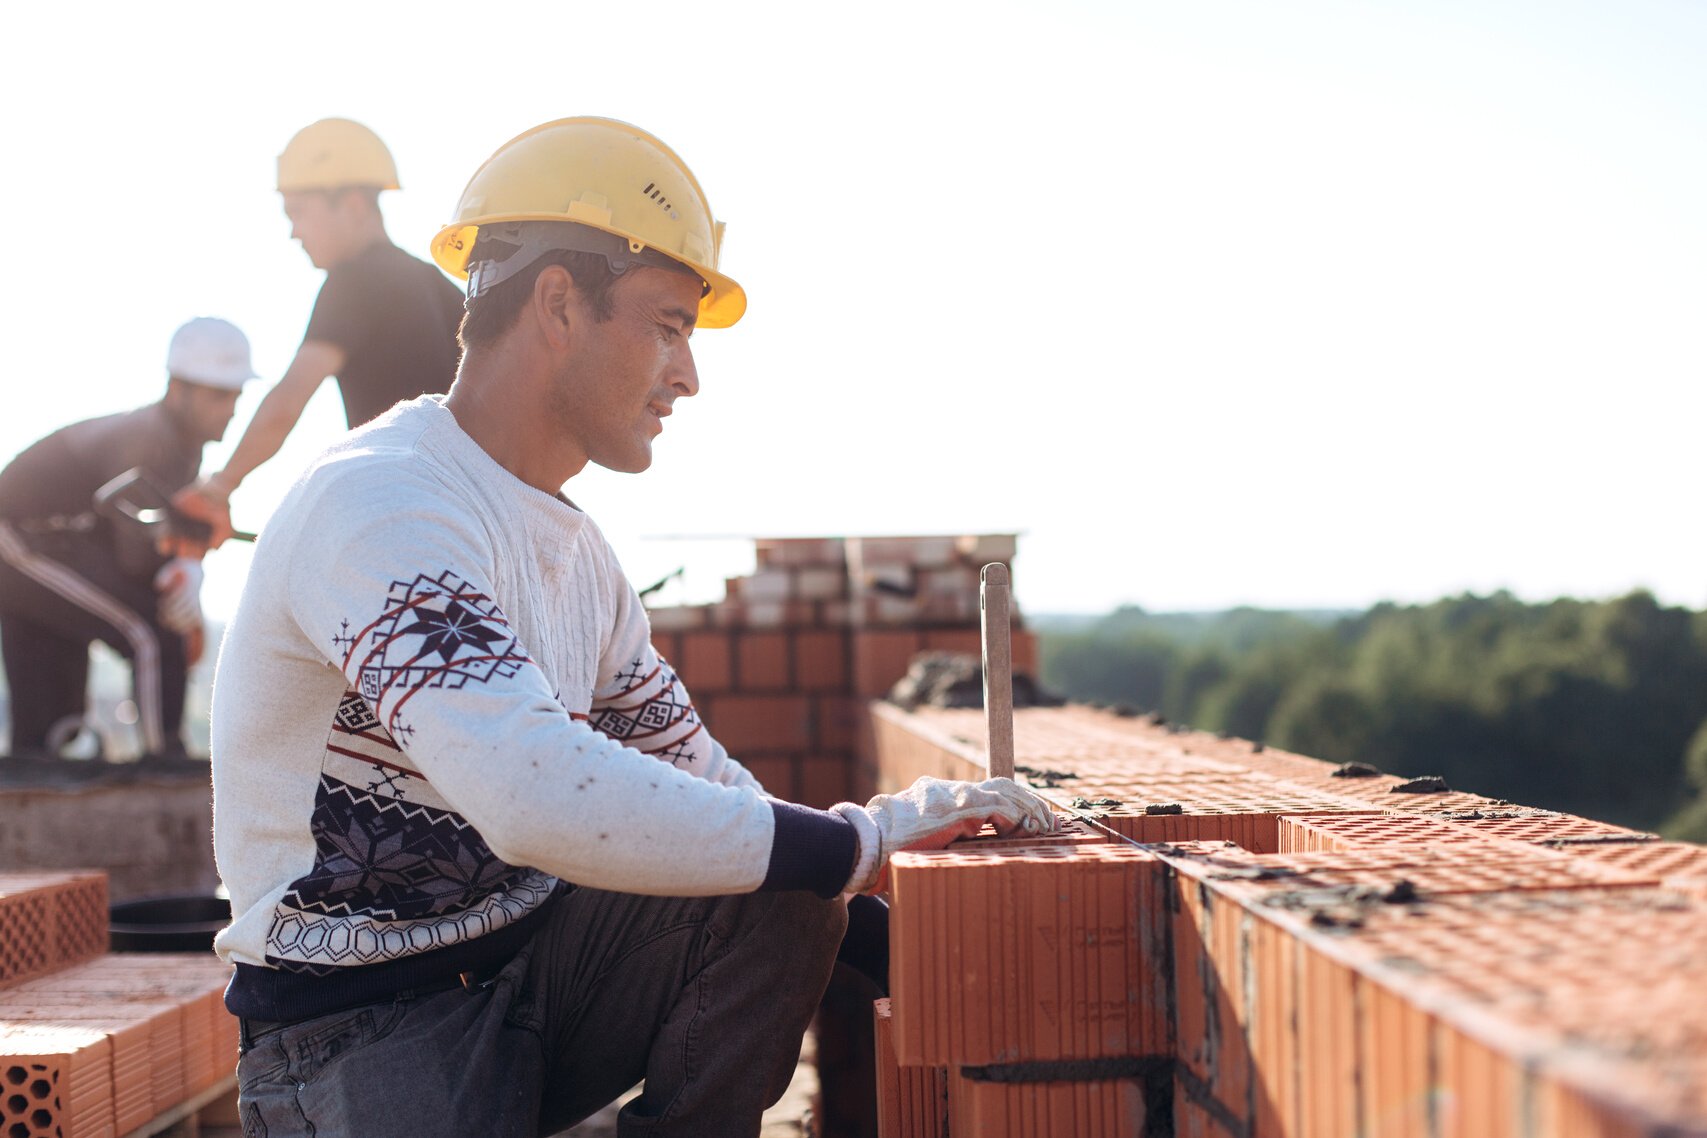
[
  {"x": 384, "y": 323},
  {"x": 75, "y": 569},
  {"x": 487, "y": 867}
]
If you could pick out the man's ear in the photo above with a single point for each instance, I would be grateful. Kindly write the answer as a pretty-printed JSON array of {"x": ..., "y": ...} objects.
[{"x": 556, "y": 303}]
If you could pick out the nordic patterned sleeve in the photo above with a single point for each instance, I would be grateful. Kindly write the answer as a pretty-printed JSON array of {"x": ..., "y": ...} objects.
[
  {"x": 405, "y": 609},
  {"x": 640, "y": 700}
]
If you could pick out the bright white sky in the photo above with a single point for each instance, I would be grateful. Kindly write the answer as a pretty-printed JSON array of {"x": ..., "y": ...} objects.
[{"x": 1302, "y": 304}]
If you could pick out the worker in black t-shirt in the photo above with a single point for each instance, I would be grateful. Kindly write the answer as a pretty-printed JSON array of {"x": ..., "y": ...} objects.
[
  {"x": 385, "y": 322},
  {"x": 74, "y": 568}
]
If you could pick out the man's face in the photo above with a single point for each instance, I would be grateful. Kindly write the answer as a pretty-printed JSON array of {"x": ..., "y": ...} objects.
[
  {"x": 317, "y": 222},
  {"x": 622, "y": 376},
  {"x": 207, "y": 411}
]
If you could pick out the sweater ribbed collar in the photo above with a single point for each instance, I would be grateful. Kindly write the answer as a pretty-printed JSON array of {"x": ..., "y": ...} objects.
[{"x": 443, "y": 436}]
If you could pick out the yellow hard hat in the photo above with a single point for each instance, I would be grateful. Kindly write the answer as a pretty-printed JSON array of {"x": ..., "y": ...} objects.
[
  {"x": 332, "y": 153},
  {"x": 607, "y": 176}
]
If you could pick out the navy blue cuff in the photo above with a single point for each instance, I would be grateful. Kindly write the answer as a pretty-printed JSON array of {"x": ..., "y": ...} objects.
[{"x": 811, "y": 849}]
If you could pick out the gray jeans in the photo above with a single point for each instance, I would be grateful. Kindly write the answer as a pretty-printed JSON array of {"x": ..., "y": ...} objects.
[{"x": 706, "y": 999}]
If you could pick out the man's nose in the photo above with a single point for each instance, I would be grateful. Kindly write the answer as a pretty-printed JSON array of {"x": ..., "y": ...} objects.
[{"x": 685, "y": 376}]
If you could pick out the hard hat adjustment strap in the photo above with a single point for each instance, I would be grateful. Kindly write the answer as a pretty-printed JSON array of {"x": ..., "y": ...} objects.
[{"x": 503, "y": 249}]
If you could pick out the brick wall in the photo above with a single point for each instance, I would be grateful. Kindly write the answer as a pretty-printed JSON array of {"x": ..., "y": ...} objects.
[
  {"x": 1372, "y": 957},
  {"x": 782, "y": 668}
]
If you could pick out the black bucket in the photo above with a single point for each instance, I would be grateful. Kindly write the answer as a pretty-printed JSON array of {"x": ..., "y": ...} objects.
[{"x": 184, "y": 923}]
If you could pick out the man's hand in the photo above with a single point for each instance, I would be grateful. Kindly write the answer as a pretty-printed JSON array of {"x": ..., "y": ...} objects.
[
  {"x": 207, "y": 500},
  {"x": 179, "y": 583},
  {"x": 934, "y": 812}
]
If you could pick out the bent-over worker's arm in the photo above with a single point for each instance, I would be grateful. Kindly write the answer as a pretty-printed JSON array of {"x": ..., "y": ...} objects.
[
  {"x": 403, "y": 606},
  {"x": 277, "y": 415}
]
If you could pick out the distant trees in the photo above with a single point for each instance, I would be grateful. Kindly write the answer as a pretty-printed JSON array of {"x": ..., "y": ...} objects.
[{"x": 1595, "y": 707}]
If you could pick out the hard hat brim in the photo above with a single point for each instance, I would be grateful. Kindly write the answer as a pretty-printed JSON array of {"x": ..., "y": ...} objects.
[{"x": 723, "y": 304}]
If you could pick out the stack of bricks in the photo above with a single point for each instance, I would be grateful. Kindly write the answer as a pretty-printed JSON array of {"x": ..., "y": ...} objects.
[
  {"x": 1241, "y": 942},
  {"x": 782, "y": 668},
  {"x": 95, "y": 1045}
]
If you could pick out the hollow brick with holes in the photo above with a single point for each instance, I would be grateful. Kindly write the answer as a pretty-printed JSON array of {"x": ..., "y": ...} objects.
[
  {"x": 1111, "y": 1108},
  {"x": 1072, "y": 934},
  {"x": 50, "y": 919},
  {"x": 135, "y": 1041},
  {"x": 55, "y": 1082},
  {"x": 1344, "y": 832},
  {"x": 1431, "y": 871},
  {"x": 912, "y": 1102}
]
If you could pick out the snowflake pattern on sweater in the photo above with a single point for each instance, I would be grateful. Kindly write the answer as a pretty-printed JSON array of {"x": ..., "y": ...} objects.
[
  {"x": 404, "y": 752},
  {"x": 389, "y": 853}
]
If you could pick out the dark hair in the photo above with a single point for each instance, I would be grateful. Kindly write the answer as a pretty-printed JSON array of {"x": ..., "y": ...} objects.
[{"x": 492, "y": 313}]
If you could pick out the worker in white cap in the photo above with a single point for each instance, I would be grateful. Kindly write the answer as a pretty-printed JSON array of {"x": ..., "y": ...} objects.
[
  {"x": 384, "y": 323},
  {"x": 76, "y": 568}
]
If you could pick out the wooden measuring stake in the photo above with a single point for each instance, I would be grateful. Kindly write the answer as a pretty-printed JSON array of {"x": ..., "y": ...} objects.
[{"x": 993, "y": 602}]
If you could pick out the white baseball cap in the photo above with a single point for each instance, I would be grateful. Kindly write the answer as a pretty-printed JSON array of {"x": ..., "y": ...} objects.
[{"x": 211, "y": 352}]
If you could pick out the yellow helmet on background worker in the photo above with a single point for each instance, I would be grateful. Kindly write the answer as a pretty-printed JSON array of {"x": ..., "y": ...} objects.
[
  {"x": 334, "y": 153},
  {"x": 625, "y": 195}
]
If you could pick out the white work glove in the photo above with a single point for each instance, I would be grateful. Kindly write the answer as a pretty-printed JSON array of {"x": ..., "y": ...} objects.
[
  {"x": 933, "y": 812},
  {"x": 179, "y": 584}
]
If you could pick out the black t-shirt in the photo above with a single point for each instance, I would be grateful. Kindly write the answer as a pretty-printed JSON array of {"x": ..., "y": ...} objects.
[
  {"x": 55, "y": 479},
  {"x": 395, "y": 318}
]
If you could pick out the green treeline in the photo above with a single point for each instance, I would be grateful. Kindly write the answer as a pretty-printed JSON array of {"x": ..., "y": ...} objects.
[{"x": 1598, "y": 708}]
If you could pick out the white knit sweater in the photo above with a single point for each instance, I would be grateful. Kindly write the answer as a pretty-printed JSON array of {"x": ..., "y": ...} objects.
[{"x": 416, "y": 714}]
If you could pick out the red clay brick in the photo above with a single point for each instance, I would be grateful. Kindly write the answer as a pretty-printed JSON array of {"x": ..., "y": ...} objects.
[
  {"x": 55, "y": 1081},
  {"x": 1023, "y": 646},
  {"x": 776, "y": 773},
  {"x": 1431, "y": 871},
  {"x": 758, "y": 722},
  {"x": 912, "y": 1102},
  {"x": 1395, "y": 1065},
  {"x": 825, "y": 780},
  {"x": 799, "y": 551},
  {"x": 820, "y": 583},
  {"x": 978, "y": 550},
  {"x": 1072, "y": 935},
  {"x": 668, "y": 645},
  {"x": 1658, "y": 861},
  {"x": 1328, "y": 995},
  {"x": 837, "y": 722},
  {"x": 1276, "y": 1062},
  {"x": 821, "y": 660},
  {"x": 136, "y": 1035},
  {"x": 1523, "y": 825},
  {"x": 50, "y": 919},
  {"x": 966, "y": 641},
  {"x": 1111, "y": 1109},
  {"x": 705, "y": 664},
  {"x": 678, "y": 618},
  {"x": 1589, "y": 1097},
  {"x": 1481, "y": 1089},
  {"x": 1193, "y": 1120},
  {"x": 881, "y": 657},
  {"x": 762, "y": 662},
  {"x": 1353, "y": 831}
]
